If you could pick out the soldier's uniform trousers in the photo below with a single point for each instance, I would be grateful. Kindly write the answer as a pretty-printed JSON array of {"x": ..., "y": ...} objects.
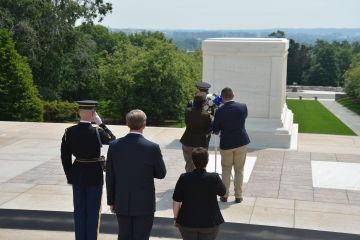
[{"x": 87, "y": 211}]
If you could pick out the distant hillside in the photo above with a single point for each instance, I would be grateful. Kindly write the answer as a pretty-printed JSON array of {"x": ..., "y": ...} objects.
[{"x": 189, "y": 40}]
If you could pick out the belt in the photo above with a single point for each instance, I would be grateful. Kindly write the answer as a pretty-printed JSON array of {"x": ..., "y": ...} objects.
[{"x": 89, "y": 160}]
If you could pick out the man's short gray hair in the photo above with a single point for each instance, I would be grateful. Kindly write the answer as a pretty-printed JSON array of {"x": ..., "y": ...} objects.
[{"x": 135, "y": 119}]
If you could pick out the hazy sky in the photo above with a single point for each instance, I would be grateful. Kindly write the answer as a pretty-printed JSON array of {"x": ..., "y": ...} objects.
[{"x": 233, "y": 14}]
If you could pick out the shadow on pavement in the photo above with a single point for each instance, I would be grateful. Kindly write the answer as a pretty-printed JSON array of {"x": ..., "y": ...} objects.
[{"x": 63, "y": 221}]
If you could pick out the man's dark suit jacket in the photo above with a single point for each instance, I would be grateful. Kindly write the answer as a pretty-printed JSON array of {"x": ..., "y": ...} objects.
[
  {"x": 132, "y": 164},
  {"x": 197, "y": 191},
  {"x": 230, "y": 121},
  {"x": 197, "y": 127}
]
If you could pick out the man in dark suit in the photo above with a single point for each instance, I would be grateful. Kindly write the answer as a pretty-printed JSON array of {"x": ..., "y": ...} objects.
[
  {"x": 85, "y": 173},
  {"x": 229, "y": 120},
  {"x": 133, "y": 163}
]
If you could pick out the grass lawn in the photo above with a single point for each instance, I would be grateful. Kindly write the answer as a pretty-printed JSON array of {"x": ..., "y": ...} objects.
[
  {"x": 313, "y": 117},
  {"x": 350, "y": 103}
]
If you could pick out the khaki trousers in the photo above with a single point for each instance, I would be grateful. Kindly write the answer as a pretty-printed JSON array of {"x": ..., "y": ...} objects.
[
  {"x": 229, "y": 158},
  {"x": 189, "y": 165}
]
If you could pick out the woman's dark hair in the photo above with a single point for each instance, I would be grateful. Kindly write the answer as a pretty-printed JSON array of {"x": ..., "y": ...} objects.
[
  {"x": 200, "y": 157},
  {"x": 199, "y": 100}
]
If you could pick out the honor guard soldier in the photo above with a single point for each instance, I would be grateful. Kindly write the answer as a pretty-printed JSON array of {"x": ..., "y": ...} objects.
[
  {"x": 85, "y": 173},
  {"x": 200, "y": 87}
]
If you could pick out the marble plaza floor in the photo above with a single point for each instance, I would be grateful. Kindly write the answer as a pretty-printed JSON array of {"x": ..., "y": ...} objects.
[{"x": 316, "y": 187}]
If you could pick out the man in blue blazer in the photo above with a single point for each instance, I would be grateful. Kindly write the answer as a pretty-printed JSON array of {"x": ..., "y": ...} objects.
[
  {"x": 229, "y": 120},
  {"x": 133, "y": 163}
]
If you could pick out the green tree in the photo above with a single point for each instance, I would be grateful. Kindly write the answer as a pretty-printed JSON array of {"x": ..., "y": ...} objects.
[
  {"x": 44, "y": 32},
  {"x": 277, "y": 34},
  {"x": 323, "y": 60},
  {"x": 117, "y": 80},
  {"x": 355, "y": 47},
  {"x": 80, "y": 70},
  {"x": 352, "y": 78},
  {"x": 19, "y": 98},
  {"x": 162, "y": 79},
  {"x": 142, "y": 39},
  {"x": 298, "y": 62},
  {"x": 316, "y": 75},
  {"x": 344, "y": 55},
  {"x": 105, "y": 40},
  {"x": 298, "y": 59},
  {"x": 147, "y": 71}
]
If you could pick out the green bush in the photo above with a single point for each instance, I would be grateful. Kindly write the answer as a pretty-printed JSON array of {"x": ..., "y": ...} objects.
[
  {"x": 109, "y": 113},
  {"x": 351, "y": 103},
  {"x": 19, "y": 98},
  {"x": 57, "y": 111},
  {"x": 352, "y": 78}
]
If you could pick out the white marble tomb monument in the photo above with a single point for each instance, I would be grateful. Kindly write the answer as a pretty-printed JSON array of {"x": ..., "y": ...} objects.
[{"x": 255, "y": 68}]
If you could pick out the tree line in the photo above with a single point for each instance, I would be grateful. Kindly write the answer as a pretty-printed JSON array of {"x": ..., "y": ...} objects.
[
  {"x": 48, "y": 60},
  {"x": 321, "y": 64}
]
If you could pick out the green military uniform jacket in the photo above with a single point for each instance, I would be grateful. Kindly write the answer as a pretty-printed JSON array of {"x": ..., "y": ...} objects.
[{"x": 197, "y": 132}]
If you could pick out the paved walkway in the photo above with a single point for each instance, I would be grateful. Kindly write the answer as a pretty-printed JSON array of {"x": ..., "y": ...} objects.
[
  {"x": 351, "y": 119},
  {"x": 20, "y": 234},
  {"x": 293, "y": 189}
]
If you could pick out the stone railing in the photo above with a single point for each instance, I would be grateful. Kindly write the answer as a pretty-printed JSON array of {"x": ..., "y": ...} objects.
[{"x": 296, "y": 88}]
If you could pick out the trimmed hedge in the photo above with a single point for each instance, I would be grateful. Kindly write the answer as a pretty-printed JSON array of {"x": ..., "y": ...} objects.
[
  {"x": 58, "y": 111},
  {"x": 351, "y": 103}
]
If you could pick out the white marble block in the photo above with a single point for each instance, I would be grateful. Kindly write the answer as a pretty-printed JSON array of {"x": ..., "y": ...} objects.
[{"x": 255, "y": 68}]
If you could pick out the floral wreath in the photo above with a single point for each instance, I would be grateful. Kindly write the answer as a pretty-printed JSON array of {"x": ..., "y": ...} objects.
[{"x": 213, "y": 101}]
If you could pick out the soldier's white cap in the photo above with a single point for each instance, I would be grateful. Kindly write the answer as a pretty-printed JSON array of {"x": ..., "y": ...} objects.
[{"x": 87, "y": 104}]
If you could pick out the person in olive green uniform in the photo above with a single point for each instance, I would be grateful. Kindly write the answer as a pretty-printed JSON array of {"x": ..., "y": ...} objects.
[
  {"x": 85, "y": 173},
  {"x": 197, "y": 132}
]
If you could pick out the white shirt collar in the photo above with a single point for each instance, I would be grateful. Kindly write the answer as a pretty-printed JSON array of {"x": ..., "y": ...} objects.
[
  {"x": 82, "y": 121},
  {"x": 134, "y": 132}
]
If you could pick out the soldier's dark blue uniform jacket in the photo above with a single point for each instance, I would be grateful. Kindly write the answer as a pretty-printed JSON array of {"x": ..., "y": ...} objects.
[{"x": 81, "y": 141}]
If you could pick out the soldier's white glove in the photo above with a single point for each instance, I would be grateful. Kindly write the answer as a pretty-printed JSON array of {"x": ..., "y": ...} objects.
[{"x": 97, "y": 119}]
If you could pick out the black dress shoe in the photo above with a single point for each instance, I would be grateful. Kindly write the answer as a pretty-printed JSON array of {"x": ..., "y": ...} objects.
[
  {"x": 223, "y": 199},
  {"x": 238, "y": 200}
]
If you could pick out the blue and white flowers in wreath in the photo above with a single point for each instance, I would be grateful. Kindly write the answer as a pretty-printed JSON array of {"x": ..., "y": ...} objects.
[{"x": 213, "y": 101}]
